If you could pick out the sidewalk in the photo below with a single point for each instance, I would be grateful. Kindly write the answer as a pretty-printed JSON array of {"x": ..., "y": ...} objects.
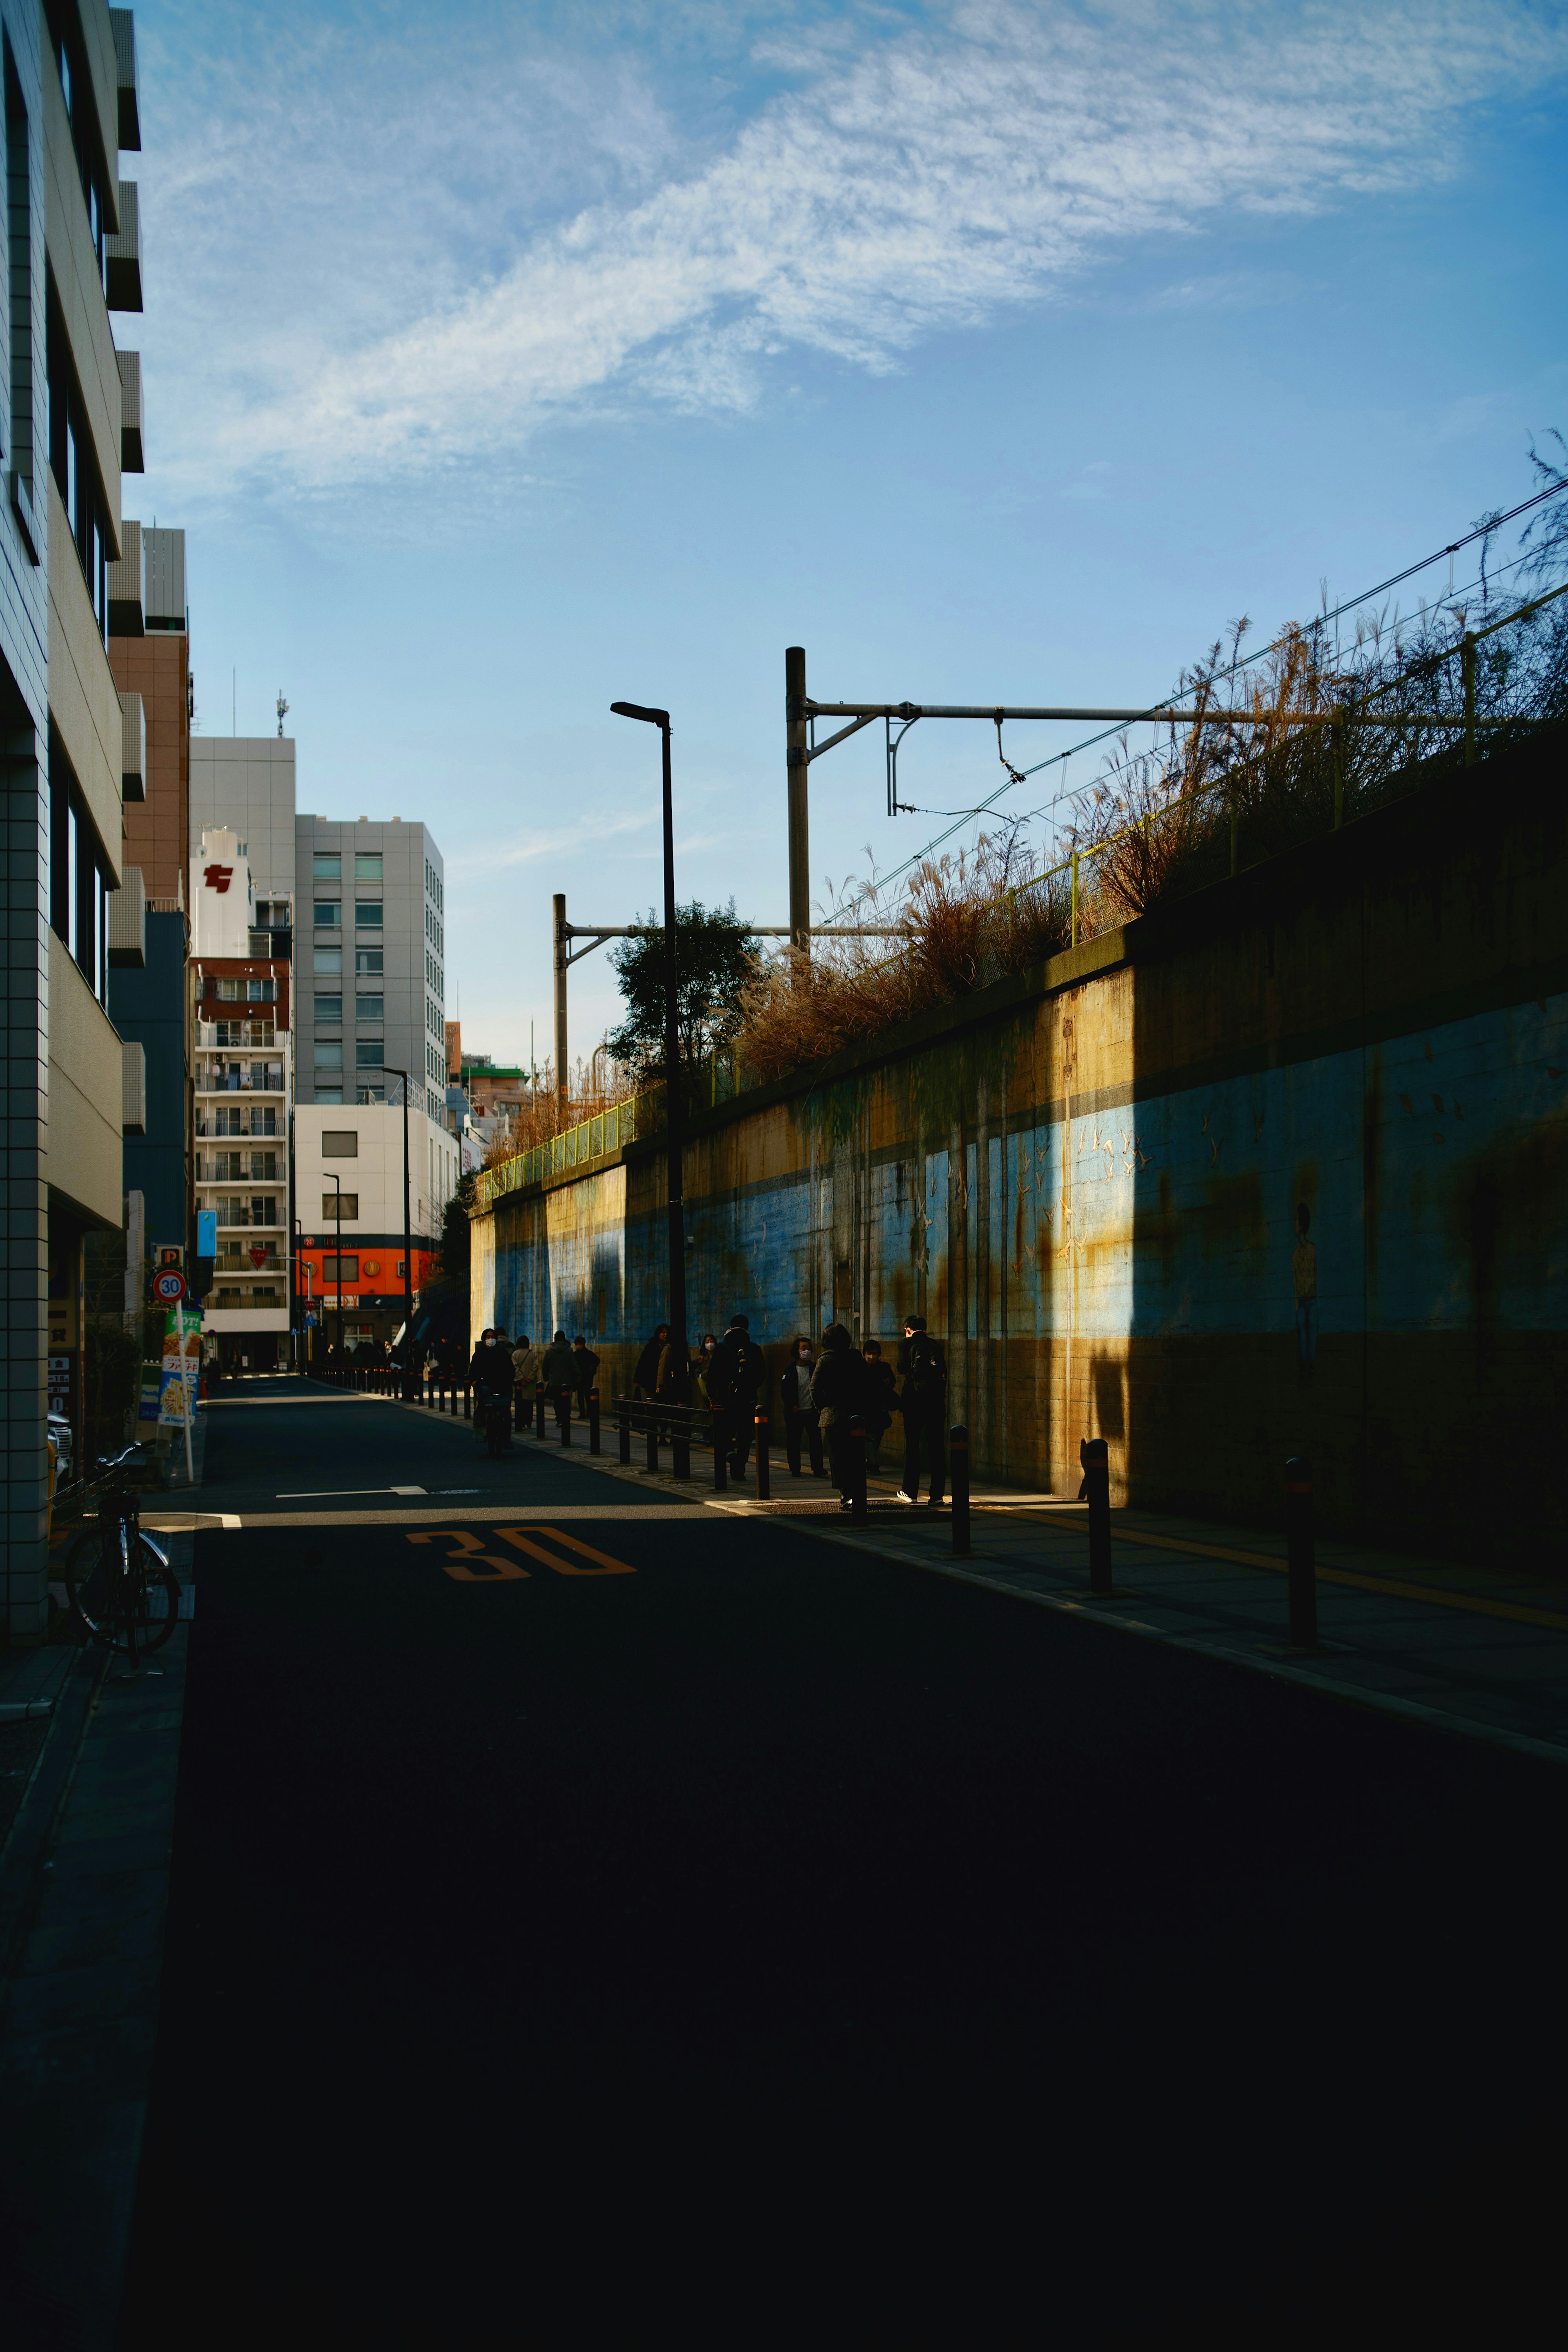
[
  {"x": 84, "y": 1879},
  {"x": 1467, "y": 1648}
]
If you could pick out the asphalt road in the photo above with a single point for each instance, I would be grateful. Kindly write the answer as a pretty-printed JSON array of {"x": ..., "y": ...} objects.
[{"x": 657, "y": 1912}]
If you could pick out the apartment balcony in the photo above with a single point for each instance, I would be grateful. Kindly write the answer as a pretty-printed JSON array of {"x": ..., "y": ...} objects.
[
  {"x": 242, "y": 1168},
  {"x": 263, "y": 1123},
  {"x": 247, "y": 1034},
  {"x": 260, "y": 1079}
]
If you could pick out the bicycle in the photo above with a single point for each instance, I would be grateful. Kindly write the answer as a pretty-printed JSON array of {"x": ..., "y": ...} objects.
[
  {"x": 496, "y": 1407},
  {"x": 121, "y": 1587}
]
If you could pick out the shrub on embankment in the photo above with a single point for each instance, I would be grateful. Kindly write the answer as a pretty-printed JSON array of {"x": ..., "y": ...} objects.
[{"x": 1275, "y": 754}]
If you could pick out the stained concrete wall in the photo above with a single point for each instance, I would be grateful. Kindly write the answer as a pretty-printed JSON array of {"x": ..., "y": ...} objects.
[{"x": 1089, "y": 1181}]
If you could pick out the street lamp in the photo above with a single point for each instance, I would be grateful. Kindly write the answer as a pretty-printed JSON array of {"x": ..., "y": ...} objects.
[
  {"x": 328, "y": 1178},
  {"x": 407, "y": 1237},
  {"x": 673, "y": 1106}
]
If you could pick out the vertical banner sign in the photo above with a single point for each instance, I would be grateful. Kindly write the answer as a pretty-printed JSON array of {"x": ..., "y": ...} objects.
[{"x": 182, "y": 1370}]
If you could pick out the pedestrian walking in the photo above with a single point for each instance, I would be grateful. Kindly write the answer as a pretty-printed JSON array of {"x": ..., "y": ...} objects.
[
  {"x": 558, "y": 1372},
  {"x": 922, "y": 1401},
  {"x": 881, "y": 1402},
  {"x": 840, "y": 1385},
  {"x": 800, "y": 1409},
  {"x": 738, "y": 1375},
  {"x": 584, "y": 1370},
  {"x": 526, "y": 1359}
]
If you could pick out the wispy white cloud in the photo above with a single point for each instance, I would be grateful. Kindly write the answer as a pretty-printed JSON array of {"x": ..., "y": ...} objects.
[{"x": 590, "y": 254}]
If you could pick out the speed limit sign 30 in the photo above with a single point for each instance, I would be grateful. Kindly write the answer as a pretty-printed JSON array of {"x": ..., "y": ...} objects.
[{"x": 169, "y": 1287}]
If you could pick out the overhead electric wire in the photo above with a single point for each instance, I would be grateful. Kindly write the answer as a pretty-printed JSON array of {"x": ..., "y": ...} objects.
[{"x": 1350, "y": 604}]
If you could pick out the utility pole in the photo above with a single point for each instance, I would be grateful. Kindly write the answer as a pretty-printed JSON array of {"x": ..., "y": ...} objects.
[
  {"x": 408, "y": 1242},
  {"x": 674, "y": 1108},
  {"x": 799, "y": 823},
  {"x": 559, "y": 905}
]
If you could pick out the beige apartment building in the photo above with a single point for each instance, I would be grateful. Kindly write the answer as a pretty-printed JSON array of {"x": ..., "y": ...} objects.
[{"x": 70, "y": 409}]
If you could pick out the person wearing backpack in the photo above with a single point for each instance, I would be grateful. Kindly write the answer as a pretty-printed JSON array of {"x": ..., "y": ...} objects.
[
  {"x": 923, "y": 1403},
  {"x": 558, "y": 1371},
  {"x": 737, "y": 1374}
]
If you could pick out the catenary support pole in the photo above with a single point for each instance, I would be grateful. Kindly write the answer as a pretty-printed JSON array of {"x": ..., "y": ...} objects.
[
  {"x": 558, "y": 906},
  {"x": 799, "y": 826}
]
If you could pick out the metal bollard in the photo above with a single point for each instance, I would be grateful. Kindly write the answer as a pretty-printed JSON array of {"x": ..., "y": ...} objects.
[
  {"x": 720, "y": 1436},
  {"x": 759, "y": 1426},
  {"x": 624, "y": 1416},
  {"x": 1095, "y": 1455},
  {"x": 958, "y": 1459},
  {"x": 680, "y": 1444},
  {"x": 593, "y": 1421},
  {"x": 857, "y": 1468},
  {"x": 564, "y": 1417},
  {"x": 539, "y": 1411},
  {"x": 1303, "y": 1574},
  {"x": 652, "y": 1439},
  {"x": 468, "y": 1401}
]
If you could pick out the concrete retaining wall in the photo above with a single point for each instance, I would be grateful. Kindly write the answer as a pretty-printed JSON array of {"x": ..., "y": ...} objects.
[{"x": 1090, "y": 1182}]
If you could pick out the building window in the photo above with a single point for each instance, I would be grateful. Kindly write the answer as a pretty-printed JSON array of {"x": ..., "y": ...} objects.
[
  {"x": 367, "y": 914},
  {"x": 328, "y": 960},
  {"x": 329, "y": 1056},
  {"x": 339, "y": 1269},
  {"x": 339, "y": 1143},
  {"x": 371, "y": 1008},
  {"x": 329, "y": 1095},
  {"x": 369, "y": 960},
  {"x": 329, "y": 1008},
  {"x": 327, "y": 866},
  {"x": 330, "y": 1207},
  {"x": 75, "y": 471},
  {"x": 329, "y": 915},
  {"x": 79, "y": 877},
  {"x": 367, "y": 868},
  {"x": 19, "y": 208},
  {"x": 367, "y": 1053}
]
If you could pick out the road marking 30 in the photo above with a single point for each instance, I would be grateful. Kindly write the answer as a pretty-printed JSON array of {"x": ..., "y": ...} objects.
[
  {"x": 606, "y": 1566},
  {"x": 470, "y": 1563}
]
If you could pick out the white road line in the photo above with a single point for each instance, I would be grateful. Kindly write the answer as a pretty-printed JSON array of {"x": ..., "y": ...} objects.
[{"x": 333, "y": 1494}]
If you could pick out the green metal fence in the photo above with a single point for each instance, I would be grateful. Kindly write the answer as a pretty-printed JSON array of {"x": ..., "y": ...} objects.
[{"x": 575, "y": 1147}]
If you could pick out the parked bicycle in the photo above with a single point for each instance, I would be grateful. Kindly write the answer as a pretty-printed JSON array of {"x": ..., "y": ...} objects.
[{"x": 121, "y": 1590}]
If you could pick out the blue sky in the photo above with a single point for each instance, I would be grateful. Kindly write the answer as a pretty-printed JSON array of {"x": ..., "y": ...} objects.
[{"x": 504, "y": 363}]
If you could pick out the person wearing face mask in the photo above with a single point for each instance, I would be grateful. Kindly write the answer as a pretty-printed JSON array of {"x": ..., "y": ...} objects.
[
  {"x": 491, "y": 1375},
  {"x": 841, "y": 1385},
  {"x": 800, "y": 1411}
]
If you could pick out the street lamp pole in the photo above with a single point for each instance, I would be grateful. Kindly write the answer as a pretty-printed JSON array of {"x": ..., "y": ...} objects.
[
  {"x": 407, "y": 1238},
  {"x": 674, "y": 1108},
  {"x": 328, "y": 1178}
]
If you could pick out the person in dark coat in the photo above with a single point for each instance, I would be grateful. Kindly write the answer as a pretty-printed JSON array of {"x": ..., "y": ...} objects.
[
  {"x": 841, "y": 1386},
  {"x": 558, "y": 1371},
  {"x": 645, "y": 1380},
  {"x": 490, "y": 1373},
  {"x": 881, "y": 1402},
  {"x": 737, "y": 1375},
  {"x": 584, "y": 1370},
  {"x": 800, "y": 1409},
  {"x": 922, "y": 1401}
]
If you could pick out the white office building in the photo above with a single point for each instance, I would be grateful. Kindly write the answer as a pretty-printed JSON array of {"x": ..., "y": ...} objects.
[
  {"x": 348, "y": 1176},
  {"x": 371, "y": 901}
]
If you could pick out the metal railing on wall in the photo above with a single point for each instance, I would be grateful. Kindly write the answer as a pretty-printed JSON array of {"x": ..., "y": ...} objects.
[{"x": 593, "y": 1138}]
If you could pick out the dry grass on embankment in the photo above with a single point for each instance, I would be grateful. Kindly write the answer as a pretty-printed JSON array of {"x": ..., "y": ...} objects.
[{"x": 1213, "y": 798}]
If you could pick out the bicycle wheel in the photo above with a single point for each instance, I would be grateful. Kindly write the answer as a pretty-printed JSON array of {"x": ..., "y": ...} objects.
[
  {"x": 93, "y": 1583},
  {"x": 157, "y": 1591}
]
